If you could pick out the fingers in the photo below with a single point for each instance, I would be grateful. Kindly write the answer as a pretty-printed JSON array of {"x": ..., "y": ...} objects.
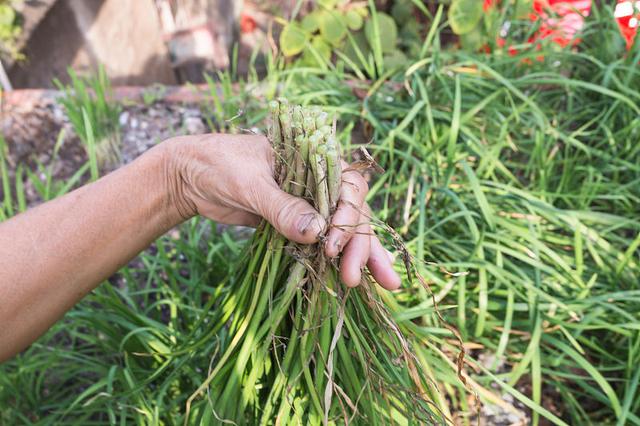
[
  {"x": 380, "y": 265},
  {"x": 350, "y": 234},
  {"x": 345, "y": 219},
  {"x": 355, "y": 255},
  {"x": 293, "y": 217},
  {"x": 364, "y": 248}
]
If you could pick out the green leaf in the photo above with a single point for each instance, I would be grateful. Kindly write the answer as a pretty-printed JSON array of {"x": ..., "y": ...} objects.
[
  {"x": 320, "y": 48},
  {"x": 464, "y": 15},
  {"x": 354, "y": 19},
  {"x": 595, "y": 374},
  {"x": 311, "y": 22},
  {"x": 332, "y": 27},
  {"x": 327, "y": 4},
  {"x": 292, "y": 39},
  {"x": 402, "y": 12},
  {"x": 394, "y": 59},
  {"x": 472, "y": 40},
  {"x": 7, "y": 15},
  {"x": 362, "y": 11},
  {"x": 410, "y": 32},
  {"x": 358, "y": 43},
  {"x": 387, "y": 31}
]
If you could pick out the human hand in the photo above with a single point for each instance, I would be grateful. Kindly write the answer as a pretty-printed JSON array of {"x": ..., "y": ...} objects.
[{"x": 229, "y": 179}]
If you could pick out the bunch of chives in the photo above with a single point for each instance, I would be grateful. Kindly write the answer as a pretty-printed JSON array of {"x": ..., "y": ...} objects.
[{"x": 298, "y": 347}]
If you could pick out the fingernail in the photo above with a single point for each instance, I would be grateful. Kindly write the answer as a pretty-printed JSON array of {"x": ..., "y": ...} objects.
[
  {"x": 304, "y": 223},
  {"x": 310, "y": 223}
]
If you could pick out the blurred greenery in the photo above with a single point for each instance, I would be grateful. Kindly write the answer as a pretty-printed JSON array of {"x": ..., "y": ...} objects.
[
  {"x": 10, "y": 28},
  {"x": 94, "y": 117}
]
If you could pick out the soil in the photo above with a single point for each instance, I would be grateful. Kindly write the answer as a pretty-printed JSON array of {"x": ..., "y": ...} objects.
[{"x": 31, "y": 132}]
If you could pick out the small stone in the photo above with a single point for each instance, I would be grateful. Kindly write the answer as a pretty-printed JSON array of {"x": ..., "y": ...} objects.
[
  {"x": 192, "y": 112},
  {"x": 124, "y": 118},
  {"x": 134, "y": 123},
  {"x": 513, "y": 418},
  {"x": 194, "y": 125},
  {"x": 59, "y": 115}
]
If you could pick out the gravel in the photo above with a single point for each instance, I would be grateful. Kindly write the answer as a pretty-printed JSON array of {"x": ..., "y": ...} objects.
[{"x": 31, "y": 131}]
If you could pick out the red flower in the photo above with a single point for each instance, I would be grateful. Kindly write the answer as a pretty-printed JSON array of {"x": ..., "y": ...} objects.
[
  {"x": 628, "y": 16},
  {"x": 247, "y": 23},
  {"x": 566, "y": 21},
  {"x": 488, "y": 4}
]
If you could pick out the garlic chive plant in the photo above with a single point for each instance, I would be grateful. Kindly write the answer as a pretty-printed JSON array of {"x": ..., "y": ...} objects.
[{"x": 300, "y": 348}]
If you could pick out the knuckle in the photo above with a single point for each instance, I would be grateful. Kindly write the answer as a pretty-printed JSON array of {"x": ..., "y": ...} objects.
[
  {"x": 355, "y": 186},
  {"x": 284, "y": 210},
  {"x": 346, "y": 236},
  {"x": 363, "y": 186},
  {"x": 252, "y": 197},
  {"x": 261, "y": 194}
]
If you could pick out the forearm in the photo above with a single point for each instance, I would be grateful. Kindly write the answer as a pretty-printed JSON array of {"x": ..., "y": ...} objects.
[{"x": 53, "y": 255}]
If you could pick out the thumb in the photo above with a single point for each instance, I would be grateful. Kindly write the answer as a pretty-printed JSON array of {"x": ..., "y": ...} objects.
[{"x": 292, "y": 216}]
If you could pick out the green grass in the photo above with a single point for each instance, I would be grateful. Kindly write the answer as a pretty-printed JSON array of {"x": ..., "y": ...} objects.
[
  {"x": 516, "y": 186},
  {"x": 530, "y": 176},
  {"x": 94, "y": 117}
]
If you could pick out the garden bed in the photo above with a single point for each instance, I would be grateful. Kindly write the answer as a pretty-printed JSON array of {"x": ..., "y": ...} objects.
[{"x": 32, "y": 122}]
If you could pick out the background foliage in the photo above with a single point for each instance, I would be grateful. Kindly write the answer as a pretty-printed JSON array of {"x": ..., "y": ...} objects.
[{"x": 9, "y": 28}]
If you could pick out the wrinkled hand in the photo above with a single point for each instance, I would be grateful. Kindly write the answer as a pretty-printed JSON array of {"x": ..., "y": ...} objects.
[{"x": 229, "y": 179}]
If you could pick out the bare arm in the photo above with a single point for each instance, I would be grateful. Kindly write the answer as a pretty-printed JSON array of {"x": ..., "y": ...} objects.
[{"x": 54, "y": 254}]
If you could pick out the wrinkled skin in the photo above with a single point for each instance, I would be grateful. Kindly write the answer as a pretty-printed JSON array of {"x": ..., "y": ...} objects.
[{"x": 229, "y": 179}]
